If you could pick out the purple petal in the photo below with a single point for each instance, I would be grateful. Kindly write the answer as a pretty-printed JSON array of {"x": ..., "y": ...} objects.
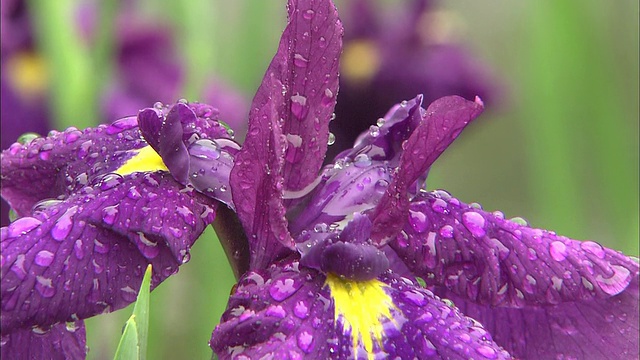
[
  {"x": 289, "y": 312},
  {"x": 289, "y": 120},
  {"x": 64, "y": 162},
  {"x": 79, "y": 257},
  {"x": 307, "y": 65},
  {"x": 61, "y": 341},
  {"x": 544, "y": 294},
  {"x": 445, "y": 119}
]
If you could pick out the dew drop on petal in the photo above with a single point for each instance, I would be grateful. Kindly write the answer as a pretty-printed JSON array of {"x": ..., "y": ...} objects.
[
  {"x": 282, "y": 289},
  {"x": 487, "y": 352},
  {"x": 327, "y": 97},
  {"x": 362, "y": 161},
  {"x": 128, "y": 294},
  {"x": 299, "y": 106},
  {"x": 22, "y": 226},
  {"x": 331, "y": 139},
  {"x": 301, "y": 310},
  {"x": 446, "y": 231},
  {"x": 308, "y": 15},
  {"x": 418, "y": 221},
  {"x": 617, "y": 282},
  {"x": 45, "y": 287},
  {"x": 305, "y": 341},
  {"x": 110, "y": 181},
  {"x": 109, "y": 214},
  {"x": 374, "y": 131},
  {"x": 300, "y": 61},
  {"x": 27, "y": 138},
  {"x": 594, "y": 248},
  {"x": 474, "y": 222},
  {"x": 44, "y": 258},
  {"x": 558, "y": 250},
  {"x": 63, "y": 225},
  {"x": 439, "y": 206}
]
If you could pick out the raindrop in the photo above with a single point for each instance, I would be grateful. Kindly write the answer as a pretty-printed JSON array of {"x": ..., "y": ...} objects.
[
  {"x": 308, "y": 15},
  {"x": 205, "y": 149},
  {"x": 362, "y": 160},
  {"x": 558, "y": 251},
  {"x": 27, "y": 138},
  {"x": 475, "y": 223},
  {"x": 381, "y": 185},
  {"x": 418, "y": 221},
  {"x": 63, "y": 225},
  {"x": 374, "y": 131},
  {"x": 332, "y": 139},
  {"x": 45, "y": 287},
  {"x": 22, "y": 226},
  {"x": 110, "y": 181},
  {"x": 301, "y": 310},
  {"x": 520, "y": 221},
  {"x": 282, "y": 289},
  {"x": 446, "y": 231},
  {"x": 305, "y": 341},
  {"x": 594, "y": 248},
  {"x": 158, "y": 105},
  {"x": 299, "y": 106},
  {"x": 380, "y": 122},
  {"x": 439, "y": 206},
  {"x": 300, "y": 61},
  {"x": 44, "y": 258},
  {"x": 109, "y": 214}
]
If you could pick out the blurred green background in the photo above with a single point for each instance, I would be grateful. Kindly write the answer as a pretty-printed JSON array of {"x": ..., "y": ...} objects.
[{"x": 560, "y": 149}]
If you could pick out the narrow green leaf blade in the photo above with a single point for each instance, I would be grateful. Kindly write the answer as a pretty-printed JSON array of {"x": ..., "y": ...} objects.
[{"x": 133, "y": 343}]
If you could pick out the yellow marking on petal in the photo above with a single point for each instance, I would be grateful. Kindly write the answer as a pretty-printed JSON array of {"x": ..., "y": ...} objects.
[
  {"x": 360, "y": 61},
  {"x": 27, "y": 74},
  {"x": 146, "y": 160},
  {"x": 363, "y": 305}
]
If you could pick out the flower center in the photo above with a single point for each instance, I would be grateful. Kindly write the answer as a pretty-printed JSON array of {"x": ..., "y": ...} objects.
[{"x": 362, "y": 306}]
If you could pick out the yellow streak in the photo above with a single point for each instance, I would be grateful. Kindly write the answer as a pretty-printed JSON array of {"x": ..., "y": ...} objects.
[
  {"x": 27, "y": 74},
  {"x": 360, "y": 61},
  {"x": 362, "y": 305},
  {"x": 145, "y": 160}
]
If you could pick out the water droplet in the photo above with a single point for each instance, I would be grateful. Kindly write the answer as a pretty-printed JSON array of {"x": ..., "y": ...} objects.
[
  {"x": 331, "y": 140},
  {"x": 22, "y": 226},
  {"x": 617, "y": 282},
  {"x": 78, "y": 249},
  {"x": 119, "y": 126},
  {"x": 158, "y": 105},
  {"x": 362, "y": 161},
  {"x": 110, "y": 181},
  {"x": 415, "y": 297},
  {"x": 486, "y": 351},
  {"x": 446, "y": 231},
  {"x": 183, "y": 101},
  {"x": 27, "y": 138},
  {"x": 204, "y": 149},
  {"x": 44, "y": 258},
  {"x": 299, "y": 106},
  {"x": 381, "y": 185},
  {"x": 308, "y": 15},
  {"x": 439, "y": 206},
  {"x": 63, "y": 225},
  {"x": 45, "y": 286},
  {"x": 374, "y": 131},
  {"x": 300, "y": 61},
  {"x": 109, "y": 214},
  {"x": 594, "y": 248},
  {"x": 327, "y": 98},
  {"x": 282, "y": 289},
  {"x": 128, "y": 294},
  {"x": 558, "y": 251},
  {"x": 133, "y": 194},
  {"x": 418, "y": 221},
  {"x": 99, "y": 247},
  {"x": 520, "y": 221},
  {"x": 305, "y": 341},
  {"x": 147, "y": 247},
  {"x": 474, "y": 222},
  {"x": 301, "y": 310}
]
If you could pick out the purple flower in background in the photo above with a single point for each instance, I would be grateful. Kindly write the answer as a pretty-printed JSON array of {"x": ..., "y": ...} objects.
[
  {"x": 143, "y": 51},
  {"x": 395, "y": 56},
  {"x": 328, "y": 259}
]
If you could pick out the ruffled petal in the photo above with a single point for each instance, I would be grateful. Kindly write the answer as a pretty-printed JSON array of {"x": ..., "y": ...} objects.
[
  {"x": 194, "y": 146},
  {"x": 288, "y": 129},
  {"x": 61, "y": 341},
  {"x": 445, "y": 119},
  {"x": 79, "y": 257},
  {"x": 64, "y": 162},
  {"x": 290, "y": 312},
  {"x": 544, "y": 294}
]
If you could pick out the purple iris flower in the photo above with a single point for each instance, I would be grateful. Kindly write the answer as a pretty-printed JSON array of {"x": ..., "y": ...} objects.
[
  {"x": 328, "y": 259},
  {"x": 395, "y": 56}
]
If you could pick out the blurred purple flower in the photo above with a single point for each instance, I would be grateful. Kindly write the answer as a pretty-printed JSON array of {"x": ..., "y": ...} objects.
[
  {"x": 395, "y": 56},
  {"x": 148, "y": 68},
  {"x": 328, "y": 264}
]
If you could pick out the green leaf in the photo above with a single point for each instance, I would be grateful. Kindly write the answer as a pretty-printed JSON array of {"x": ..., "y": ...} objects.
[{"x": 133, "y": 343}]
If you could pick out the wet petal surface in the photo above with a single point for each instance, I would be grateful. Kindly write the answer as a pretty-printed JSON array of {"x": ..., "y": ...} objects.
[
  {"x": 62, "y": 341},
  {"x": 529, "y": 285}
]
